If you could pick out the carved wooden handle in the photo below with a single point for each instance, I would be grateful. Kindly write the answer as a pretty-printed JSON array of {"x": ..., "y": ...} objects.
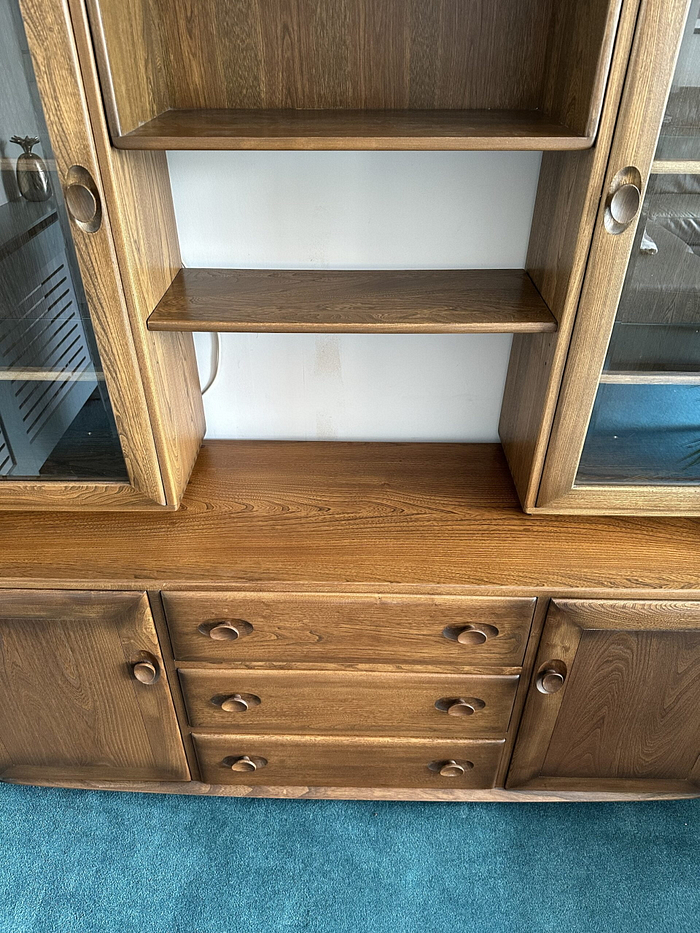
[
  {"x": 471, "y": 635},
  {"x": 551, "y": 678},
  {"x": 237, "y": 702},
  {"x": 226, "y": 629},
  {"x": 450, "y": 768},
  {"x": 245, "y": 763},
  {"x": 461, "y": 707},
  {"x": 146, "y": 672}
]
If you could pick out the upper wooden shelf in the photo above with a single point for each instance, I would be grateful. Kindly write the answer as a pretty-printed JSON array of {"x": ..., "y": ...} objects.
[
  {"x": 410, "y": 302},
  {"x": 353, "y": 74},
  {"x": 352, "y": 129}
]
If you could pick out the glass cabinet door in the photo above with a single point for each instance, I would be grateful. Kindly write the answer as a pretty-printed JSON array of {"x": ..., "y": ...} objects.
[
  {"x": 56, "y": 421},
  {"x": 634, "y": 364},
  {"x": 645, "y": 424}
]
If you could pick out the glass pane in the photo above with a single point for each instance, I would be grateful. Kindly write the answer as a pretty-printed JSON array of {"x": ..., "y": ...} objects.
[
  {"x": 56, "y": 421},
  {"x": 680, "y": 133},
  {"x": 645, "y": 425}
]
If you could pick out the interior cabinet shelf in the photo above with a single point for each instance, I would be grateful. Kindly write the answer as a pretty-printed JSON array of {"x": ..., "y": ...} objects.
[
  {"x": 650, "y": 378},
  {"x": 352, "y": 129},
  {"x": 433, "y": 301}
]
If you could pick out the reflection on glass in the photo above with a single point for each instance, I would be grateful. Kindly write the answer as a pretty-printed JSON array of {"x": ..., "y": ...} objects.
[
  {"x": 680, "y": 133},
  {"x": 643, "y": 434},
  {"x": 55, "y": 417},
  {"x": 645, "y": 425}
]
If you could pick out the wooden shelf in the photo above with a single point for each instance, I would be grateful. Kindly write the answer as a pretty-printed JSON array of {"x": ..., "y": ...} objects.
[
  {"x": 650, "y": 378},
  {"x": 352, "y": 129},
  {"x": 389, "y": 302}
]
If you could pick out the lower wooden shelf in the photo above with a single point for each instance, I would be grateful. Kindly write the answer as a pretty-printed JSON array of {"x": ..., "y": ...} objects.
[{"x": 419, "y": 301}]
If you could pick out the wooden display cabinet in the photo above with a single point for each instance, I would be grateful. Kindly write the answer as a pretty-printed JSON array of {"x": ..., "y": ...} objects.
[{"x": 360, "y": 620}]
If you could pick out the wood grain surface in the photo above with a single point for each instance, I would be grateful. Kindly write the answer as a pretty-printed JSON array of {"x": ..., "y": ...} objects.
[
  {"x": 352, "y": 129},
  {"x": 350, "y": 629},
  {"x": 360, "y": 762},
  {"x": 71, "y": 708},
  {"x": 349, "y": 703},
  {"x": 301, "y": 792},
  {"x": 452, "y": 301},
  {"x": 528, "y": 59},
  {"x": 627, "y": 715},
  {"x": 414, "y": 516}
]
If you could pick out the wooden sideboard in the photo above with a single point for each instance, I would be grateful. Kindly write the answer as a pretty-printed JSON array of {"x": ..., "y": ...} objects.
[{"x": 351, "y": 620}]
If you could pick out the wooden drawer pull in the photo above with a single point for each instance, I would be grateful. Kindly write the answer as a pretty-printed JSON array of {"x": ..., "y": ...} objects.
[
  {"x": 551, "y": 677},
  {"x": 471, "y": 635},
  {"x": 237, "y": 702},
  {"x": 244, "y": 763},
  {"x": 146, "y": 672},
  {"x": 226, "y": 629},
  {"x": 459, "y": 706},
  {"x": 451, "y": 768}
]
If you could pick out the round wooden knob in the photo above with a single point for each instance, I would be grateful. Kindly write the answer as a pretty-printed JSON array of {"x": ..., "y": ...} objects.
[
  {"x": 235, "y": 704},
  {"x": 471, "y": 635},
  {"x": 245, "y": 763},
  {"x": 145, "y": 672},
  {"x": 550, "y": 680},
  {"x": 625, "y": 203},
  {"x": 81, "y": 203},
  {"x": 224, "y": 631},
  {"x": 461, "y": 707},
  {"x": 451, "y": 769}
]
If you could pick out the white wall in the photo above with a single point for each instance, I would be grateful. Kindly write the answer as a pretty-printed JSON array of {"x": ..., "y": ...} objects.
[{"x": 349, "y": 210}]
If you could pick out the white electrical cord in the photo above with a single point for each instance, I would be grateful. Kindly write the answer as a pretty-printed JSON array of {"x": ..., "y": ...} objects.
[{"x": 214, "y": 362}]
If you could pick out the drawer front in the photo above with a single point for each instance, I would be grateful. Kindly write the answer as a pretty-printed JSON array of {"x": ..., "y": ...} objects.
[
  {"x": 293, "y": 628},
  {"x": 314, "y": 761},
  {"x": 352, "y": 703}
]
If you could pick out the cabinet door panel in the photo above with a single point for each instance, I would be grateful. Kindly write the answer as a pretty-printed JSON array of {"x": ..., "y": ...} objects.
[
  {"x": 70, "y": 705},
  {"x": 627, "y": 715}
]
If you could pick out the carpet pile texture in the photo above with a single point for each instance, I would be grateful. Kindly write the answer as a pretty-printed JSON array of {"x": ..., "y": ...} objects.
[{"x": 86, "y": 862}]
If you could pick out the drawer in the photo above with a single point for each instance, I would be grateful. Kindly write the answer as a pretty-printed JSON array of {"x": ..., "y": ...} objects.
[
  {"x": 296, "y": 628},
  {"x": 349, "y": 703},
  {"x": 315, "y": 761}
]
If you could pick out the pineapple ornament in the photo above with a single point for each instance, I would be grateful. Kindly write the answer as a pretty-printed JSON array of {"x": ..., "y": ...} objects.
[{"x": 32, "y": 172}]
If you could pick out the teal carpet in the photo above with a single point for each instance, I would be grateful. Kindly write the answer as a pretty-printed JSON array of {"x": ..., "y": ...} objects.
[{"x": 75, "y": 862}]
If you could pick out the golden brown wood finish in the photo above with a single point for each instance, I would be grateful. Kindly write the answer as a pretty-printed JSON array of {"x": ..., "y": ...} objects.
[
  {"x": 651, "y": 68},
  {"x": 166, "y": 652},
  {"x": 349, "y": 629},
  {"x": 300, "y": 792},
  {"x": 137, "y": 191},
  {"x": 626, "y": 716},
  {"x": 354, "y": 762},
  {"x": 332, "y": 703},
  {"x": 385, "y": 517},
  {"x": 350, "y": 129},
  {"x": 451, "y": 301},
  {"x": 532, "y": 67},
  {"x": 568, "y": 195},
  {"x": 71, "y": 707},
  {"x": 59, "y": 79}
]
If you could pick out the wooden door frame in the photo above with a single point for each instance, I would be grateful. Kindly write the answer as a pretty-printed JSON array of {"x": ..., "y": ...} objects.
[
  {"x": 157, "y": 456},
  {"x": 659, "y": 32},
  {"x": 565, "y": 623}
]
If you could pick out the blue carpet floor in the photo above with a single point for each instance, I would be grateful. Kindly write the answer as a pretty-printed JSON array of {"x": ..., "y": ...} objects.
[{"x": 74, "y": 862}]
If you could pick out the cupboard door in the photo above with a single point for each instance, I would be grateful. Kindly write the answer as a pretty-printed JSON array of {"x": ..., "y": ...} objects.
[
  {"x": 615, "y": 700},
  {"x": 83, "y": 691}
]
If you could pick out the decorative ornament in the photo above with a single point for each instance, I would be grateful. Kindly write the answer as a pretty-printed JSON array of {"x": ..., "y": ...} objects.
[{"x": 32, "y": 173}]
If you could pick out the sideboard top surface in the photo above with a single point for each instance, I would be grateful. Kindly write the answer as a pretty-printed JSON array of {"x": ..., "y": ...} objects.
[{"x": 352, "y": 515}]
